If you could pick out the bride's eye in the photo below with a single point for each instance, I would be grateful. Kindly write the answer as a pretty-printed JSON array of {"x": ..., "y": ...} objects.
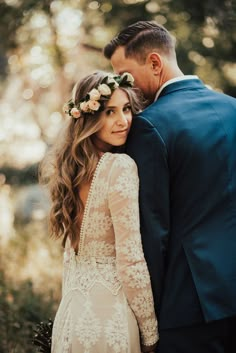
[
  {"x": 127, "y": 108},
  {"x": 109, "y": 112}
]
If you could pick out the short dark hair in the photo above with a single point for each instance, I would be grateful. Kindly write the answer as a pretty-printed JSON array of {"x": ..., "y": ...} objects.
[{"x": 141, "y": 37}]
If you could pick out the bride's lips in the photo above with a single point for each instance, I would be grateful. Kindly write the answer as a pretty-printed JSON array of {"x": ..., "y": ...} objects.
[{"x": 120, "y": 132}]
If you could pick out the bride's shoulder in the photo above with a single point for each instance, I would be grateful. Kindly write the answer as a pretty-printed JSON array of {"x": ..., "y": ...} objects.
[
  {"x": 122, "y": 160},
  {"x": 120, "y": 164}
]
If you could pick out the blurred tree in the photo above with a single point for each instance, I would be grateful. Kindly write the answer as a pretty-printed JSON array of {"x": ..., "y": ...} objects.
[
  {"x": 15, "y": 14},
  {"x": 205, "y": 31}
]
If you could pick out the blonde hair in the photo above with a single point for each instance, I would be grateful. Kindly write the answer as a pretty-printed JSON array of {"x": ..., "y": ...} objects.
[{"x": 72, "y": 160}]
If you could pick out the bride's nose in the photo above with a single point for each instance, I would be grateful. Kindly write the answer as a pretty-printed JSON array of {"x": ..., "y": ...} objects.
[{"x": 122, "y": 119}]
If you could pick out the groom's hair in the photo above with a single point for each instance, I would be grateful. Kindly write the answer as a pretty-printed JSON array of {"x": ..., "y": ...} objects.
[{"x": 140, "y": 38}]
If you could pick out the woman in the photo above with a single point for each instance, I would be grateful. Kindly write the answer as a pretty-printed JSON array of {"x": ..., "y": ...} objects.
[{"x": 107, "y": 304}]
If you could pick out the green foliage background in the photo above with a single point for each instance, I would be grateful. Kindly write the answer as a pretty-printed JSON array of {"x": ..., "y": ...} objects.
[
  {"x": 21, "y": 309},
  {"x": 193, "y": 22}
]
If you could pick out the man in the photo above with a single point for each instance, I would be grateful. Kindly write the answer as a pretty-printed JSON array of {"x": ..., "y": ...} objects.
[{"x": 184, "y": 144}]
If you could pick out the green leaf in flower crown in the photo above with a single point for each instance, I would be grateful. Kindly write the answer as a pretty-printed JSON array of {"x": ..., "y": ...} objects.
[{"x": 111, "y": 85}]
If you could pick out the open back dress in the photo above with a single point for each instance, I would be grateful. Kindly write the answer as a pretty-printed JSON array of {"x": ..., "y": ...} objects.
[{"x": 107, "y": 303}]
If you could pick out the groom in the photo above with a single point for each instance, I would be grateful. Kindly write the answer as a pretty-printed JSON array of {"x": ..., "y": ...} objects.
[{"x": 184, "y": 144}]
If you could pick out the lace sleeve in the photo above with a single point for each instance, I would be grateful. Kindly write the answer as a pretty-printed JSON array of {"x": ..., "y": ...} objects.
[{"x": 131, "y": 265}]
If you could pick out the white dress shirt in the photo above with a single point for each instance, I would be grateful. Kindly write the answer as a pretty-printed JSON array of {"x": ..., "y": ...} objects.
[{"x": 176, "y": 79}]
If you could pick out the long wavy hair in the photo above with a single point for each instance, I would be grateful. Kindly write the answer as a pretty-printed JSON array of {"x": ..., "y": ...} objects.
[{"x": 72, "y": 160}]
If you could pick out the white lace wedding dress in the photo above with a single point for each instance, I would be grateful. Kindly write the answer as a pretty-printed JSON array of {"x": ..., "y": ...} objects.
[{"x": 107, "y": 303}]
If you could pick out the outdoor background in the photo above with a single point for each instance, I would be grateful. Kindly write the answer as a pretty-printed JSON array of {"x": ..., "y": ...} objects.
[{"x": 45, "y": 46}]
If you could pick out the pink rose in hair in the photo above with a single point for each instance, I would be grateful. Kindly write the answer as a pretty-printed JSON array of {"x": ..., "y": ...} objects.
[
  {"x": 93, "y": 105},
  {"x": 66, "y": 108},
  {"x": 75, "y": 113}
]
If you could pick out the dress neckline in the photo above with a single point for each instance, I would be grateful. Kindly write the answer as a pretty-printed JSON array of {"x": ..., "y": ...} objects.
[{"x": 88, "y": 202}]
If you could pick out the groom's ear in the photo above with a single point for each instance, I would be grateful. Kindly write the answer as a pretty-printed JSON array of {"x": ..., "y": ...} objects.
[{"x": 156, "y": 62}]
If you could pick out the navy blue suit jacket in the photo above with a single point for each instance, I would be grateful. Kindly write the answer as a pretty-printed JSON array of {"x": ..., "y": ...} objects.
[{"x": 185, "y": 147}]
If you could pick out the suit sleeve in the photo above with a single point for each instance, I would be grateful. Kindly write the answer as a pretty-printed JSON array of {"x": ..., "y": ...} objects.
[
  {"x": 131, "y": 265},
  {"x": 147, "y": 148}
]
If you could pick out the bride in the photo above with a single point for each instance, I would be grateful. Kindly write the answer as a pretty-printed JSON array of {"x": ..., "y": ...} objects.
[{"x": 107, "y": 303}]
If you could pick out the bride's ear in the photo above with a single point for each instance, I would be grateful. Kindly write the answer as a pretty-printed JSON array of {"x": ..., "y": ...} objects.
[{"x": 156, "y": 62}]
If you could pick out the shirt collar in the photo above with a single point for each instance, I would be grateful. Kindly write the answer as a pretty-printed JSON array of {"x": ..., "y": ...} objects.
[{"x": 176, "y": 79}]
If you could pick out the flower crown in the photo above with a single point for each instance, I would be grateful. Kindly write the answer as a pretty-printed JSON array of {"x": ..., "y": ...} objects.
[{"x": 94, "y": 100}]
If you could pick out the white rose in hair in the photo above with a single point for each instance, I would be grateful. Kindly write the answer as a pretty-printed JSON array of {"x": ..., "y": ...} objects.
[
  {"x": 111, "y": 80},
  {"x": 129, "y": 77},
  {"x": 94, "y": 94},
  {"x": 93, "y": 105},
  {"x": 104, "y": 89},
  {"x": 84, "y": 106}
]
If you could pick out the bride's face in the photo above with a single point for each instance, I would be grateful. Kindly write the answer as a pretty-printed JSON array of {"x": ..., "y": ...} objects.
[{"x": 117, "y": 118}]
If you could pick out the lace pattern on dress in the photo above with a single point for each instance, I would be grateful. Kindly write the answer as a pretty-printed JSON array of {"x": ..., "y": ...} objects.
[
  {"x": 110, "y": 255},
  {"x": 116, "y": 330},
  {"x": 88, "y": 327},
  {"x": 85, "y": 271}
]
